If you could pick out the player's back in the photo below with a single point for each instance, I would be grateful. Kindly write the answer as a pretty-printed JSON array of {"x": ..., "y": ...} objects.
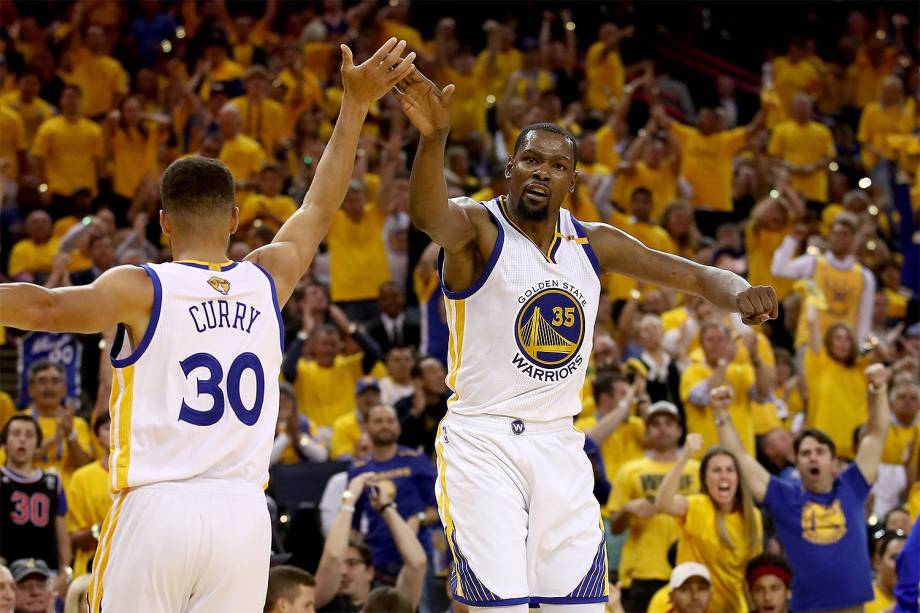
[{"x": 198, "y": 396}]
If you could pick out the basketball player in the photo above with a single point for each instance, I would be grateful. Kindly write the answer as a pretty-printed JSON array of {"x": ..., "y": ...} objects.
[
  {"x": 195, "y": 392},
  {"x": 521, "y": 280}
]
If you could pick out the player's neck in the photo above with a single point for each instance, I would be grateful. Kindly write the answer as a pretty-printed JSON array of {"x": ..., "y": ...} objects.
[
  {"x": 541, "y": 232},
  {"x": 202, "y": 253},
  {"x": 384, "y": 453}
]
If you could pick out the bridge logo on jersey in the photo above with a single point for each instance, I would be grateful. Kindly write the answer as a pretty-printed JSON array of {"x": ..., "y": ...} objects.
[
  {"x": 220, "y": 285},
  {"x": 550, "y": 328}
]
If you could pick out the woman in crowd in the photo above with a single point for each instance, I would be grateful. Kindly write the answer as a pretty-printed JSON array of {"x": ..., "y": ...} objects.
[{"x": 887, "y": 549}]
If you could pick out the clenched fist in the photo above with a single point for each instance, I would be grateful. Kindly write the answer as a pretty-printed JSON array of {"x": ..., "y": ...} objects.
[{"x": 757, "y": 304}]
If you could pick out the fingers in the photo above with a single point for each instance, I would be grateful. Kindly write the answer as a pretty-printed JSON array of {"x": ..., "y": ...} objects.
[
  {"x": 392, "y": 58},
  {"x": 348, "y": 60},
  {"x": 446, "y": 93},
  {"x": 746, "y": 307},
  {"x": 384, "y": 50},
  {"x": 401, "y": 70}
]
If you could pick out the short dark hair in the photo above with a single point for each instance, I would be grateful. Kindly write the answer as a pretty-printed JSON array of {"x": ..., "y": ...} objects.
[
  {"x": 197, "y": 186},
  {"x": 547, "y": 127},
  {"x": 816, "y": 434},
  {"x": 41, "y": 365},
  {"x": 6, "y": 428},
  {"x": 363, "y": 550},
  {"x": 387, "y": 600},
  {"x": 767, "y": 560},
  {"x": 284, "y": 582},
  {"x": 640, "y": 191},
  {"x": 603, "y": 383}
]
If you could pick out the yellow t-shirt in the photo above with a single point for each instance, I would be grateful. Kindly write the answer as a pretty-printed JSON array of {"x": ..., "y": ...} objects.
[
  {"x": 12, "y": 140},
  {"x": 102, "y": 80},
  {"x": 311, "y": 95},
  {"x": 836, "y": 399},
  {"x": 899, "y": 441},
  {"x": 605, "y": 77},
  {"x": 88, "y": 500},
  {"x": 7, "y": 406},
  {"x": 707, "y": 165},
  {"x": 30, "y": 257},
  {"x": 57, "y": 458},
  {"x": 700, "y": 542},
  {"x": 358, "y": 257},
  {"x": 260, "y": 206},
  {"x": 243, "y": 156},
  {"x": 790, "y": 79},
  {"x": 644, "y": 553},
  {"x": 345, "y": 435},
  {"x": 661, "y": 601},
  {"x": 880, "y": 602},
  {"x": 913, "y": 501},
  {"x": 265, "y": 121},
  {"x": 863, "y": 80},
  {"x": 323, "y": 394},
  {"x": 661, "y": 181},
  {"x": 803, "y": 145},
  {"x": 877, "y": 124},
  {"x": 32, "y": 113},
  {"x": 468, "y": 106},
  {"x": 624, "y": 445},
  {"x": 699, "y": 418},
  {"x": 494, "y": 79},
  {"x": 897, "y": 304},
  {"x": 760, "y": 246},
  {"x": 69, "y": 150},
  {"x": 134, "y": 156},
  {"x": 606, "y": 147}
]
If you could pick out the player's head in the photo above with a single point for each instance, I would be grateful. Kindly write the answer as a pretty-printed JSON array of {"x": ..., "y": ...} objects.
[
  {"x": 815, "y": 459},
  {"x": 541, "y": 171},
  {"x": 47, "y": 384},
  {"x": 691, "y": 588},
  {"x": 662, "y": 426},
  {"x": 21, "y": 436},
  {"x": 357, "y": 572},
  {"x": 769, "y": 580},
  {"x": 103, "y": 431},
  {"x": 7, "y": 590},
  {"x": 382, "y": 425},
  {"x": 640, "y": 203},
  {"x": 385, "y": 599},
  {"x": 290, "y": 590},
  {"x": 197, "y": 195}
]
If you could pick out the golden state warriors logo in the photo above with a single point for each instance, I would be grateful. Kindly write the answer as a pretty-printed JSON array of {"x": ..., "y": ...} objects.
[
  {"x": 823, "y": 525},
  {"x": 219, "y": 284},
  {"x": 550, "y": 328}
]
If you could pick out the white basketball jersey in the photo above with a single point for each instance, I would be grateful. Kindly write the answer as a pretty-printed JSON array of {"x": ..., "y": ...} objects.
[
  {"x": 521, "y": 335},
  {"x": 198, "y": 395}
]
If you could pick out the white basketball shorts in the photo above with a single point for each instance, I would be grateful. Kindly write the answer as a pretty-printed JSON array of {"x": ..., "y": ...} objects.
[
  {"x": 194, "y": 546},
  {"x": 516, "y": 500}
]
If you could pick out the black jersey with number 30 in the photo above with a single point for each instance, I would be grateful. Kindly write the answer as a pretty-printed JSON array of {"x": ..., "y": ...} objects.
[{"x": 29, "y": 506}]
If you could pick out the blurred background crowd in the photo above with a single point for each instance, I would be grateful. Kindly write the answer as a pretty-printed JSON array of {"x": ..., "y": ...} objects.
[{"x": 776, "y": 141}]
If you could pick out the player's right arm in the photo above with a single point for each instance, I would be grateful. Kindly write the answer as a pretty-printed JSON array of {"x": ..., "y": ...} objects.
[
  {"x": 755, "y": 477},
  {"x": 121, "y": 295},
  {"x": 287, "y": 257}
]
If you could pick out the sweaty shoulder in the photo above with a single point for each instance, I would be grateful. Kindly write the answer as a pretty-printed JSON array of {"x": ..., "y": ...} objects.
[
  {"x": 477, "y": 213},
  {"x": 129, "y": 290}
]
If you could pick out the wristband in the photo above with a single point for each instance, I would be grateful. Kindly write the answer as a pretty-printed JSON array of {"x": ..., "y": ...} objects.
[
  {"x": 387, "y": 506},
  {"x": 347, "y": 495}
]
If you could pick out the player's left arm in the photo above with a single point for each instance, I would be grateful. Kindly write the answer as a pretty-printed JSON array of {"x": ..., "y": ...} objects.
[
  {"x": 869, "y": 455},
  {"x": 287, "y": 257},
  {"x": 618, "y": 252}
]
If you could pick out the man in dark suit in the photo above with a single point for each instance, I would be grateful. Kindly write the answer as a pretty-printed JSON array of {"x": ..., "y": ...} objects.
[{"x": 393, "y": 327}]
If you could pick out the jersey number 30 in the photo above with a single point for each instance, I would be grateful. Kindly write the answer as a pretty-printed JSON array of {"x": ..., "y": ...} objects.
[{"x": 211, "y": 387}]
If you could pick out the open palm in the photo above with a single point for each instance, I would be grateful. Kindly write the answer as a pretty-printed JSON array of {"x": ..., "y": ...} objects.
[
  {"x": 427, "y": 107},
  {"x": 371, "y": 80}
]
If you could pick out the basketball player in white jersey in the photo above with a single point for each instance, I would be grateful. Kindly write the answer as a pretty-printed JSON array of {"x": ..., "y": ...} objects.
[
  {"x": 196, "y": 363},
  {"x": 521, "y": 279}
]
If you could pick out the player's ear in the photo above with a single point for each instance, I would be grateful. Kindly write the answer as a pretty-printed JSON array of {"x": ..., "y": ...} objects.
[
  {"x": 574, "y": 182},
  {"x": 508, "y": 167},
  {"x": 234, "y": 220},
  {"x": 164, "y": 222}
]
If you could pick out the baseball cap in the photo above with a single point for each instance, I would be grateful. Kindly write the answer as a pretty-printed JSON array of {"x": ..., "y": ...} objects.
[
  {"x": 685, "y": 571},
  {"x": 26, "y": 567},
  {"x": 366, "y": 383},
  {"x": 662, "y": 406}
]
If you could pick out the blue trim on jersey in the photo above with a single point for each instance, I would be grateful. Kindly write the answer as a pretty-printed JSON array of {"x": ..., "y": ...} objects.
[
  {"x": 566, "y": 600},
  {"x": 490, "y": 264},
  {"x": 271, "y": 282},
  {"x": 594, "y": 583},
  {"x": 230, "y": 266},
  {"x": 589, "y": 250},
  {"x": 505, "y": 602},
  {"x": 151, "y": 326}
]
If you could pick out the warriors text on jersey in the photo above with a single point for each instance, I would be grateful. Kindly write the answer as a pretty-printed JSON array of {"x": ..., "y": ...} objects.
[
  {"x": 521, "y": 335},
  {"x": 198, "y": 395}
]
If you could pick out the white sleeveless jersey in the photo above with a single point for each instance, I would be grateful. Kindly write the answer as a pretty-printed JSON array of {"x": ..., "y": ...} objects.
[
  {"x": 198, "y": 395},
  {"x": 521, "y": 335}
]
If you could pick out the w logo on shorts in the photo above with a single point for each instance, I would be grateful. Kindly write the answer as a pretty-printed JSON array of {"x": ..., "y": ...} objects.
[{"x": 517, "y": 426}]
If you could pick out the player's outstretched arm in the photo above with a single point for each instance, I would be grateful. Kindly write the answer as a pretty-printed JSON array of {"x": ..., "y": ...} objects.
[
  {"x": 869, "y": 455},
  {"x": 428, "y": 108},
  {"x": 121, "y": 295},
  {"x": 290, "y": 253},
  {"x": 618, "y": 252},
  {"x": 755, "y": 477}
]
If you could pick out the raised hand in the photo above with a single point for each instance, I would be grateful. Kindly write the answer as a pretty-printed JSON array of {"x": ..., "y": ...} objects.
[
  {"x": 427, "y": 107},
  {"x": 877, "y": 375},
  {"x": 757, "y": 304},
  {"x": 693, "y": 444},
  {"x": 370, "y": 81},
  {"x": 720, "y": 398}
]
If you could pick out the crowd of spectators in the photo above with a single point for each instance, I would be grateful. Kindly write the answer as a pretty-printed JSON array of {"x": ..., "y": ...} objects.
[{"x": 730, "y": 462}]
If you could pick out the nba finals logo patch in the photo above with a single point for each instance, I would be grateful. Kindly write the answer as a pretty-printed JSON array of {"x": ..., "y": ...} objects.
[
  {"x": 549, "y": 330},
  {"x": 219, "y": 285}
]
